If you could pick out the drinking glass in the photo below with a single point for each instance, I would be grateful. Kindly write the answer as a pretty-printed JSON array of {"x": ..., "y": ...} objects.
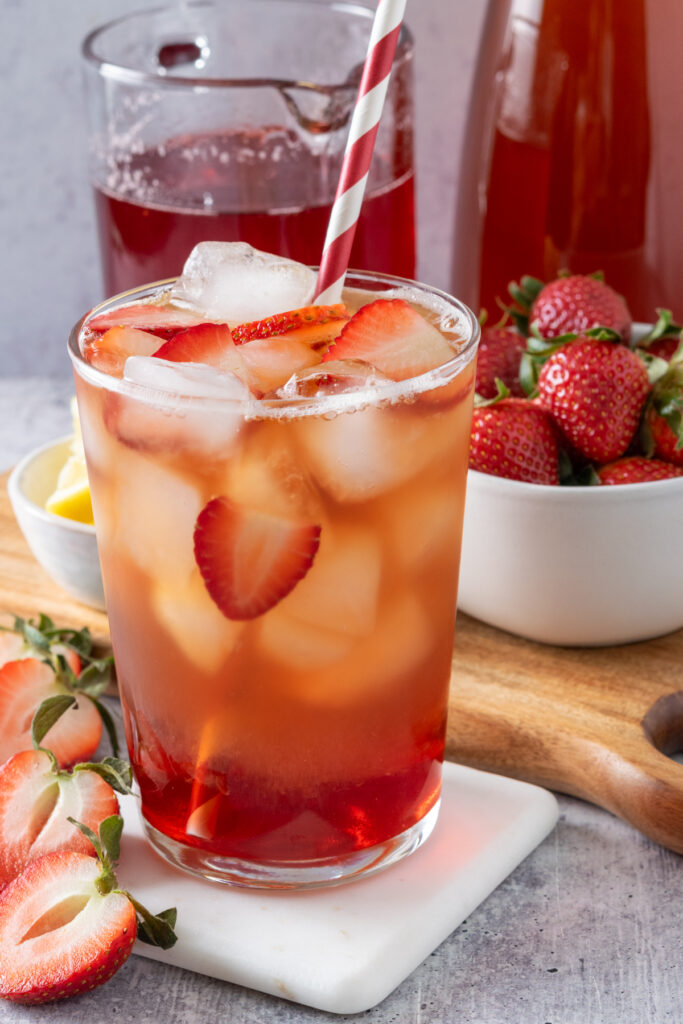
[
  {"x": 302, "y": 746},
  {"x": 227, "y": 121}
]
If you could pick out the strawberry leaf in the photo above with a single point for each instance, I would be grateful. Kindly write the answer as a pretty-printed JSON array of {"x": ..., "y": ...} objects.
[
  {"x": 663, "y": 328},
  {"x": 114, "y": 770},
  {"x": 523, "y": 295},
  {"x": 94, "y": 679},
  {"x": 501, "y": 392},
  {"x": 155, "y": 929},
  {"x": 528, "y": 373},
  {"x": 109, "y": 725},
  {"x": 110, "y": 838},
  {"x": 89, "y": 834},
  {"x": 32, "y": 635},
  {"x": 49, "y": 712},
  {"x": 603, "y": 334}
]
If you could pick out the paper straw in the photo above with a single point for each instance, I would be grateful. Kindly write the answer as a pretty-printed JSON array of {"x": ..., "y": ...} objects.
[{"x": 358, "y": 154}]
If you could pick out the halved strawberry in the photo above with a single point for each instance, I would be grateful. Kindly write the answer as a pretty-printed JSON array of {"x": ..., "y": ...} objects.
[
  {"x": 66, "y": 928},
  {"x": 315, "y": 326},
  {"x": 58, "y": 935},
  {"x": 35, "y": 802},
  {"x": 163, "y": 321},
  {"x": 249, "y": 560},
  {"x": 24, "y": 685},
  {"x": 205, "y": 343},
  {"x": 392, "y": 336},
  {"x": 108, "y": 352}
]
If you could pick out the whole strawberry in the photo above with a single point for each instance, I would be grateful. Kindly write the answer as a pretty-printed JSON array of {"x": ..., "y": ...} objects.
[
  {"x": 595, "y": 391},
  {"x": 514, "y": 438},
  {"x": 569, "y": 305},
  {"x": 636, "y": 469},
  {"x": 499, "y": 354}
]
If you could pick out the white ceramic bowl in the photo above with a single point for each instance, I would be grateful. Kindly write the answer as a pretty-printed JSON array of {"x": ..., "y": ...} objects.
[
  {"x": 577, "y": 566},
  {"x": 67, "y": 550}
]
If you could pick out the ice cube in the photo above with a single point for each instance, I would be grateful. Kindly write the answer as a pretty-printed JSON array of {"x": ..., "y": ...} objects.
[
  {"x": 300, "y": 645},
  {"x": 160, "y": 420},
  {"x": 269, "y": 362},
  {"x": 232, "y": 282},
  {"x": 196, "y": 626},
  {"x": 397, "y": 649},
  {"x": 361, "y": 454},
  {"x": 336, "y": 602},
  {"x": 187, "y": 380},
  {"x": 267, "y": 476},
  {"x": 337, "y": 377},
  {"x": 159, "y": 510},
  {"x": 421, "y": 525},
  {"x": 341, "y": 588},
  {"x": 99, "y": 446}
]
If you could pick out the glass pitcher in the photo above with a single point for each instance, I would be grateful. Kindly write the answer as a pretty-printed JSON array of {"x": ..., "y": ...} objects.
[{"x": 572, "y": 155}]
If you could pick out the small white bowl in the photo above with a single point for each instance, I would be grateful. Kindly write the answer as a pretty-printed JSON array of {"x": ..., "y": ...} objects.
[
  {"x": 577, "y": 566},
  {"x": 67, "y": 550}
]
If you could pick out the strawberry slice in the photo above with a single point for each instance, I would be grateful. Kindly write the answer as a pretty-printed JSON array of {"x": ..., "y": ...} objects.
[
  {"x": 164, "y": 321},
  {"x": 108, "y": 352},
  {"x": 394, "y": 338},
  {"x": 35, "y": 802},
  {"x": 206, "y": 343},
  {"x": 315, "y": 326},
  {"x": 250, "y": 560},
  {"x": 24, "y": 685},
  {"x": 66, "y": 927}
]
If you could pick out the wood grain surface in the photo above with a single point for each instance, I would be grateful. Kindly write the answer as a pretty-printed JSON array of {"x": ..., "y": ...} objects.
[{"x": 594, "y": 723}]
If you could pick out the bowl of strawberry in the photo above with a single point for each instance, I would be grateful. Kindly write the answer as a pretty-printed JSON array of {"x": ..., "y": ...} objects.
[{"x": 575, "y": 490}]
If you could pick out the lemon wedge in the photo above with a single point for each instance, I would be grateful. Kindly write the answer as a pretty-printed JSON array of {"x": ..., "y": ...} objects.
[{"x": 71, "y": 497}]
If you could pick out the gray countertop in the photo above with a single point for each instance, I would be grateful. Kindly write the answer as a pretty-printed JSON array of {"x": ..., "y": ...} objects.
[{"x": 586, "y": 931}]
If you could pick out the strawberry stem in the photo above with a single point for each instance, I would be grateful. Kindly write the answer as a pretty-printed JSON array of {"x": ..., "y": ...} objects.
[{"x": 155, "y": 929}]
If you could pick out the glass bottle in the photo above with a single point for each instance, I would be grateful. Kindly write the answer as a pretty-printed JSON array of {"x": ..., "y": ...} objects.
[{"x": 573, "y": 156}]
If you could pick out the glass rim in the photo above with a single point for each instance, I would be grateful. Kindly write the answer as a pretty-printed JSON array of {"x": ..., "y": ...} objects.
[
  {"x": 295, "y": 407},
  {"x": 131, "y": 75}
]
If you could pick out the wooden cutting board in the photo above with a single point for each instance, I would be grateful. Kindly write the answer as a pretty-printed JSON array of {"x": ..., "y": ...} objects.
[{"x": 594, "y": 723}]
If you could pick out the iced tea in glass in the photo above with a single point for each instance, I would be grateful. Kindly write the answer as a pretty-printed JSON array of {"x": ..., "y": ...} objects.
[{"x": 280, "y": 555}]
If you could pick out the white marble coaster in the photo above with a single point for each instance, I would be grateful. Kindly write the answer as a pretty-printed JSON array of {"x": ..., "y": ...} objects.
[{"x": 346, "y": 948}]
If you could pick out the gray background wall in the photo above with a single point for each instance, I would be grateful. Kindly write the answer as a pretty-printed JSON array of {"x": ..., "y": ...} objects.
[{"x": 49, "y": 272}]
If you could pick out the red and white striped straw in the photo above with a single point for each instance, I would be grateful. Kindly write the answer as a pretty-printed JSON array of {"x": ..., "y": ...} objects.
[{"x": 358, "y": 154}]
